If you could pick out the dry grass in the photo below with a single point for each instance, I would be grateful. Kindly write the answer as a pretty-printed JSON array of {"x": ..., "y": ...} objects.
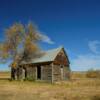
[
  {"x": 4, "y": 75},
  {"x": 72, "y": 90},
  {"x": 78, "y": 75},
  {"x": 76, "y": 89}
]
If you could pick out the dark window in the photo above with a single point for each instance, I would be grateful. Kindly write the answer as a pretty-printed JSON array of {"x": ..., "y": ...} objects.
[{"x": 61, "y": 66}]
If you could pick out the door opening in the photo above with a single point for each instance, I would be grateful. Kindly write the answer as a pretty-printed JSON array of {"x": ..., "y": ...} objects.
[{"x": 38, "y": 72}]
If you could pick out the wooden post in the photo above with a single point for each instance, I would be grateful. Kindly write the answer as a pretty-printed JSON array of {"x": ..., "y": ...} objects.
[{"x": 52, "y": 72}]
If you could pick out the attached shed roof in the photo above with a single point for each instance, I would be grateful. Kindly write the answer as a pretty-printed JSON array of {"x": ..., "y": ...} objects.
[{"x": 48, "y": 56}]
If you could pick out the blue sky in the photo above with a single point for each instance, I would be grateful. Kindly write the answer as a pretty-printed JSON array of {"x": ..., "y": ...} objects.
[{"x": 75, "y": 24}]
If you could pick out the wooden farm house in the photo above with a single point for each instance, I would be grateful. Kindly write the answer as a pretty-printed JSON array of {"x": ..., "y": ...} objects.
[{"x": 53, "y": 66}]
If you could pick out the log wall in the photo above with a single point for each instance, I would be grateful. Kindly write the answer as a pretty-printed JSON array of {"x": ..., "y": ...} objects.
[
  {"x": 31, "y": 73},
  {"x": 60, "y": 76},
  {"x": 46, "y": 72}
]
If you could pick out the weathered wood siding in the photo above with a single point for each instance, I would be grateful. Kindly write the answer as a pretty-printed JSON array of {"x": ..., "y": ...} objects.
[
  {"x": 61, "y": 69},
  {"x": 66, "y": 70},
  {"x": 46, "y": 72},
  {"x": 56, "y": 73},
  {"x": 31, "y": 72},
  {"x": 19, "y": 73}
]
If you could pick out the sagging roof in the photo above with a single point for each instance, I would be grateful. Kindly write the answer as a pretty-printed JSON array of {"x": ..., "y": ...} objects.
[{"x": 49, "y": 56}]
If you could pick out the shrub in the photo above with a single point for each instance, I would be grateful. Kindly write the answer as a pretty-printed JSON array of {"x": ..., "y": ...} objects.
[
  {"x": 97, "y": 97},
  {"x": 93, "y": 74}
]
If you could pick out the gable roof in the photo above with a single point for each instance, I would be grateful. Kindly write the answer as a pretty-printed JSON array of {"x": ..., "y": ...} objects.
[{"x": 48, "y": 56}]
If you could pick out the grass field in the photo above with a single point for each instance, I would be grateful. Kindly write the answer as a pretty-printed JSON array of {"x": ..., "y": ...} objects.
[
  {"x": 4, "y": 75},
  {"x": 75, "y": 89}
]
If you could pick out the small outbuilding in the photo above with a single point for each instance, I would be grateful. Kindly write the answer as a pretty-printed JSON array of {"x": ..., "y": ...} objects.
[{"x": 53, "y": 66}]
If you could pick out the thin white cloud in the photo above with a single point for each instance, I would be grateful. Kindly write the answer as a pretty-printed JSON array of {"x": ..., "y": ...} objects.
[
  {"x": 85, "y": 62},
  {"x": 89, "y": 60},
  {"x": 46, "y": 39},
  {"x": 94, "y": 46}
]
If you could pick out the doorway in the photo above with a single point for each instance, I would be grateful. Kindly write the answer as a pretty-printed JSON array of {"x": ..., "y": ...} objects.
[{"x": 38, "y": 72}]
